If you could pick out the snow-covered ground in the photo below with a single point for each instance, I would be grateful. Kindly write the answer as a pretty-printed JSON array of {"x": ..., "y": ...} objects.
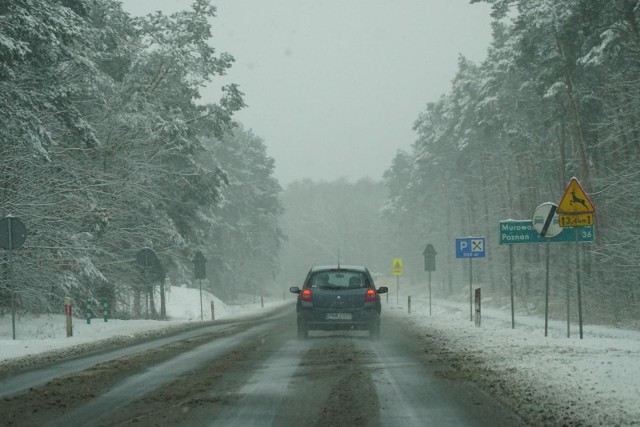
[
  {"x": 44, "y": 333},
  {"x": 557, "y": 380},
  {"x": 591, "y": 381}
]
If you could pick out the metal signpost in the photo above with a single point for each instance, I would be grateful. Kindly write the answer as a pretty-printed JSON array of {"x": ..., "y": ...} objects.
[
  {"x": 569, "y": 221},
  {"x": 545, "y": 222},
  {"x": 13, "y": 233},
  {"x": 518, "y": 232},
  {"x": 429, "y": 265},
  {"x": 576, "y": 210},
  {"x": 200, "y": 272},
  {"x": 470, "y": 247},
  {"x": 396, "y": 270}
]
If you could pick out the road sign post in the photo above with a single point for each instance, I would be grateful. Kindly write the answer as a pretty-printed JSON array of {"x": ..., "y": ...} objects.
[
  {"x": 517, "y": 232},
  {"x": 576, "y": 210},
  {"x": 470, "y": 247},
  {"x": 470, "y": 287},
  {"x": 513, "y": 314},
  {"x": 578, "y": 282},
  {"x": 396, "y": 270},
  {"x": 429, "y": 265},
  {"x": 545, "y": 222},
  {"x": 546, "y": 293},
  {"x": 13, "y": 233},
  {"x": 200, "y": 272}
]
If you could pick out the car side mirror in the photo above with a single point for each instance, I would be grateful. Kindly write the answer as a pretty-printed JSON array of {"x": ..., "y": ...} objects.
[
  {"x": 383, "y": 290},
  {"x": 294, "y": 290}
]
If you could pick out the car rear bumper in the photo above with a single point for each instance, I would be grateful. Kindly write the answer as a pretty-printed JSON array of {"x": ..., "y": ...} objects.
[{"x": 318, "y": 319}]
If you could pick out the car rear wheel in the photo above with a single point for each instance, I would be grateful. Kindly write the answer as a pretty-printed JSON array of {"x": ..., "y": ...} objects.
[
  {"x": 374, "y": 330},
  {"x": 303, "y": 330}
]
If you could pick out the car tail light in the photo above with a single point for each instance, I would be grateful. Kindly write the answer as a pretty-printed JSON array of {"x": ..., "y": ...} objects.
[
  {"x": 306, "y": 295},
  {"x": 372, "y": 295}
]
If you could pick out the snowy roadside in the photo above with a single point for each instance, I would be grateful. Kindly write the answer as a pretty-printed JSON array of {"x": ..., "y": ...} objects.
[
  {"x": 42, "y": 339},
  {"x": 554, "y": 380}
]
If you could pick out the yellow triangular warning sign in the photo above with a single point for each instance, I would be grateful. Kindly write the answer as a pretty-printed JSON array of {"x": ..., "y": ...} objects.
[{"x": 575, "y": 200}]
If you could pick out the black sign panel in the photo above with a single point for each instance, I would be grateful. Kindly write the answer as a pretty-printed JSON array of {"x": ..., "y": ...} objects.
[
  {"x": 146, "y": 257},
  {"x": 13, "y": 233},
  {"x": 429, "y": 258}
]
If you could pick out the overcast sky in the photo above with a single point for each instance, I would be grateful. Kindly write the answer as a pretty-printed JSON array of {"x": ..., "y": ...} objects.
[{"x": 333, "y": 87}]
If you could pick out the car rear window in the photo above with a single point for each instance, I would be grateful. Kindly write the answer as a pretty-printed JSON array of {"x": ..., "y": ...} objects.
[{"x": 338, "y": 279}]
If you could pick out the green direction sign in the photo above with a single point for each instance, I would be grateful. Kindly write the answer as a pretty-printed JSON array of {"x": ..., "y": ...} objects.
[{"x": 515, "y": 232}]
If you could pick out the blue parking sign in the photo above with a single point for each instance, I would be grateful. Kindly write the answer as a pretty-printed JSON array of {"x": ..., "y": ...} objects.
[{"x": 470, "y": 247}]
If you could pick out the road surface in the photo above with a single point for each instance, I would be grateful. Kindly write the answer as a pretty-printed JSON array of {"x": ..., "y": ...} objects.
[{"x": 254, "y": 372}]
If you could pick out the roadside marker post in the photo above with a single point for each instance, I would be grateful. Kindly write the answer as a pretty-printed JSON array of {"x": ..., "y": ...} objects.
[
  {"x": 478, "y": 302},
  {"x": 89, "y": 311},
  {"x": 69, "y": 316}
]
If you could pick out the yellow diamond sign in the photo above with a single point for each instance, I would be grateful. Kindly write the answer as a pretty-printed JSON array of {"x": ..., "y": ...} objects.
[
  {"x": 575, "y": 200},
  {"x": 396, "y": 266}
]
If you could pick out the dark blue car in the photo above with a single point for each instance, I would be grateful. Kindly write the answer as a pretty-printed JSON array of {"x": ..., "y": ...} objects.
[{"x": 338, "y": 297}]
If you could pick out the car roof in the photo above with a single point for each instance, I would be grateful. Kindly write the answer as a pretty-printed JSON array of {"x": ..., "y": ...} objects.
[{"x": 338, "y": 267}]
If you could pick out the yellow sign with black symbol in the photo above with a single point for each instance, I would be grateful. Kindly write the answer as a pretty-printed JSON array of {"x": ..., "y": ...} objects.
[
  {"x": 575, "y": 200},
  {"x": 579, "y": 220},
  {"x": 396, "y": 266}
]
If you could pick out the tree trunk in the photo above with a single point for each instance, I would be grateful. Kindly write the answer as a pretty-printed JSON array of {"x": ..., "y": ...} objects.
[{"x": 576, "y": 116}]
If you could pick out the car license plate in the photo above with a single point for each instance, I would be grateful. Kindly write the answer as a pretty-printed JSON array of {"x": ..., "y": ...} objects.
[{"x": 338, "y": 316}]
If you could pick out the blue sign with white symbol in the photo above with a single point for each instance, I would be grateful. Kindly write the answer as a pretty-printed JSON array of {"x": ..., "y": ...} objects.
[{"x": 470, "y": 247}]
